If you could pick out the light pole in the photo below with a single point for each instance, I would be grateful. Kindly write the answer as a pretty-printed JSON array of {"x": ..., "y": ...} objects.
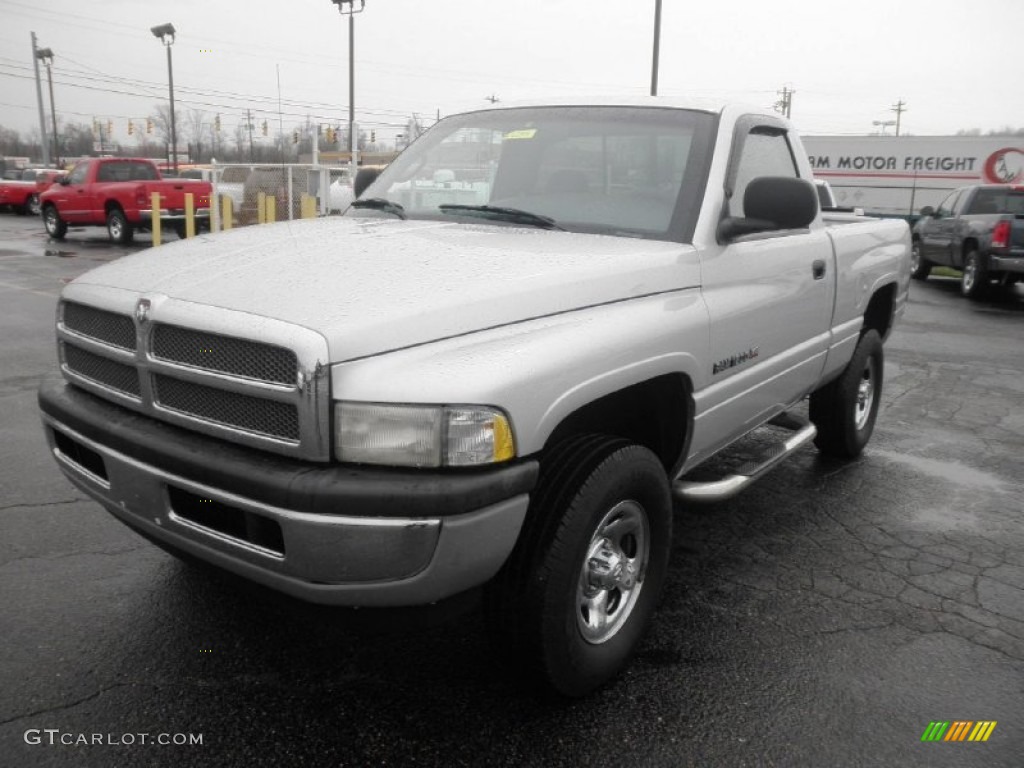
[
  {"x": 348, "y": 7},
  {"x": 657, "y": 46},
  {"x": 45, "y": 55},
  {"x": 166, "y": 34}
]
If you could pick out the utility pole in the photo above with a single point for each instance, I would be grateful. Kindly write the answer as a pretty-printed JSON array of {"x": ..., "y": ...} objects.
[
  {"x": 785, "y": 104},
  {"x": 39, "y": 100},
  {"x": 657, "y": 46},
  {"x": 899, "y": 108},
  {"x": 348, "y": 8}
]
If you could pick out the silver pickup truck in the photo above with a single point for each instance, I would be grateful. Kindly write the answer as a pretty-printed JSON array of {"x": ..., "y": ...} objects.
[{"x": 498, "y": 369}]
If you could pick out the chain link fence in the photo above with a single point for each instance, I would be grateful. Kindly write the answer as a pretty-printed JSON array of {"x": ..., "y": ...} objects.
[{"x": 259, "y": 193}]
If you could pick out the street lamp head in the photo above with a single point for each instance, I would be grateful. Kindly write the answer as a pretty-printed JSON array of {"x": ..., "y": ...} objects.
[
  {"x": 45, "y": 55},
  {"x": 349, "y": 6},
  {"x": 163, "y": 31}
]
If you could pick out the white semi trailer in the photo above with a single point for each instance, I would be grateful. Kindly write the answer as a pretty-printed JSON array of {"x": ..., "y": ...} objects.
[{"x": 898, "y": 175}]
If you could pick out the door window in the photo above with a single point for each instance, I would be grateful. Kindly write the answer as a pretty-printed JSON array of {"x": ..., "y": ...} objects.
[
  {"x": 946, "y": 207},
  {"x": 765, "y": 152},
  {"x": 78, "y": 174}
]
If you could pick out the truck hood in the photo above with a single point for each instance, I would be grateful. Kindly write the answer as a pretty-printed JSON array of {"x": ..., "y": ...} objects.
[{"x": 371, "y": 285}]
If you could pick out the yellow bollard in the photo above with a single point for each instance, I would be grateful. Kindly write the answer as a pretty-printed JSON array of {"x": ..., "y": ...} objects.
[
  {"x": 308, "y": 207},
  {"x": 154, "y": 204},
  {"x": 190, "y": 215},
  {"x": 214, "y": 214},
  {"x": 261, "y": 207},
  {"x": 271, "y": 209},
  {"x": 227, "y": 209}
]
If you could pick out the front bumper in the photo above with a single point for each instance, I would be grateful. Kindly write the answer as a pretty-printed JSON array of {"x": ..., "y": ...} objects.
[{"x": 325, "y": 533}]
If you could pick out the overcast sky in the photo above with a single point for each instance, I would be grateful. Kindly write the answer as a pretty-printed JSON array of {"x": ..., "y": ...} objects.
[{"x": 848, "y": 62}]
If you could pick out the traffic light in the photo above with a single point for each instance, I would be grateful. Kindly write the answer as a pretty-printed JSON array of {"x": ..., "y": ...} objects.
[
  {"x": 95, "y": 127},
  {"x": 373, "y": 137},
  {"x": 330, "y": 134},
  {"x": 110, "y": 127},
  {"x": 295, "y": 136},
  {"x": 264, "y": 127},
  {"x": 216, "y": 123},
  {"x": 149, "y": 125},
  {"x": 131, "y": 128}
]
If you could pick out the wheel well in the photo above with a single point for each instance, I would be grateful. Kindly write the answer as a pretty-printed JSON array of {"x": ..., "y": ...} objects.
[
  {"x": 878, "y": 315},
  {"x": 968, "y": 246},
  {"x": 657, "y": 414},
  {"x": 111, "y": 205}
]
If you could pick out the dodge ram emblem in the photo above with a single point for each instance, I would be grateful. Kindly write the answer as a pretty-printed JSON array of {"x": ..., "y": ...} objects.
[{"x": 142, "y": 311}]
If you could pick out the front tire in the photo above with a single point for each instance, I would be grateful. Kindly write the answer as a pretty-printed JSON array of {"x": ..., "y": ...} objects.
[
  {"x": 920, "y": 267},
  {"x": 974, "y": 280},
  {"x": 844, "y": 411},
  {"x": 56, "y": 228},
  {"x": 577, "y": 592},
  {"x": 118, "y": 228}
]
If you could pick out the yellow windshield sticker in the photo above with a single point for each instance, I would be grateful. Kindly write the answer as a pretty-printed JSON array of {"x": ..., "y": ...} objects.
[{"x": 525, "y": 133}]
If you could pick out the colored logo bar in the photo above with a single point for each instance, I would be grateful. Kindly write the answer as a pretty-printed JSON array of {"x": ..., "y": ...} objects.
[{"x": 958, "y": 730}]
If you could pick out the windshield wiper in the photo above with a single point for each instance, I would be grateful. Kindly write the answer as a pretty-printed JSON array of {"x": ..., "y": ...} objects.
[
  {"x": 500, "y": 212},
  {"x": 380, "y": 204}
]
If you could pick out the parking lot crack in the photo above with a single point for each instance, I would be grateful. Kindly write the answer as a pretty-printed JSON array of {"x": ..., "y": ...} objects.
[
  {"x": 43, "y": 505},
  {"x": 75, "y": 703}
]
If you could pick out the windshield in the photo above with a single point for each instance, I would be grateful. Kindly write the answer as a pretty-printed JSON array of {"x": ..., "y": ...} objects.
[{"x": 635, "y": 171}]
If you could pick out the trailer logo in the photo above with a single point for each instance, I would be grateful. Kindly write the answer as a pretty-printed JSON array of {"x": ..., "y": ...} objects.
[{"x": 1005, "y": 166}]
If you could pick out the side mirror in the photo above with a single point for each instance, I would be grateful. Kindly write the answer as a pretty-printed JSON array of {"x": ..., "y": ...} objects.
[
  {"x": 772, "y": 203},
  {"x": 364, "y": 178},
  {"x": 927, "y": 211},
  {"x": 63, "y": 180}
]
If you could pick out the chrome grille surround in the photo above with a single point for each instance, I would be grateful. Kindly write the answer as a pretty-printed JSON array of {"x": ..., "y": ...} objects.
[{"x": 243, "y": 404}]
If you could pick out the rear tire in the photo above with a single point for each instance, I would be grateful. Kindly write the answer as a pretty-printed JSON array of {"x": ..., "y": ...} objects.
[
  {"x": 844, "y": 410},
  {"x": 575, "y": 596},
  {"x": 920, "y": 267},
  {"x": 33, "y": 205},
  {"x": 56, "y": 228},
  {"x": 179, "y": 229},
  {"x": 118, "y": 228},
  {"x": 974, "y": 282}
]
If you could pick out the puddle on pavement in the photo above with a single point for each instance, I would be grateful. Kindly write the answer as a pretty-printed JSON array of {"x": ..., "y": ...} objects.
[
  {"x": 951, "y": 471},
  {"x": 59, "y": 253}
]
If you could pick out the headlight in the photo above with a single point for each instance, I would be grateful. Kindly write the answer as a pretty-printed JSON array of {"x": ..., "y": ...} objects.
[{"x": 420, "y": 435}]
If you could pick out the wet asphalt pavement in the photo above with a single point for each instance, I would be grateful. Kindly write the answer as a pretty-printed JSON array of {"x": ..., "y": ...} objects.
[{"x": 824, "y": 618}]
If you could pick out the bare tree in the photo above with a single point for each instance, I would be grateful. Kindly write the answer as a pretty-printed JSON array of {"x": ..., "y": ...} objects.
[
  {"x": 195, "y": 124},
  {"x": 161, "y": 118}
]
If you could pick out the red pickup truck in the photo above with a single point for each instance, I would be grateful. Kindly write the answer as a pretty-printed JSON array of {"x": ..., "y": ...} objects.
[
  {"x": 115, "y": 192},
  {"x": 21, "y": 194}
]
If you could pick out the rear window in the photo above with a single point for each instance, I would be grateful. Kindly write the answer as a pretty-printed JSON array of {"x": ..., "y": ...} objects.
[
  {"x": 997, "y": 201},
  {"x": 126, "y": 171}
]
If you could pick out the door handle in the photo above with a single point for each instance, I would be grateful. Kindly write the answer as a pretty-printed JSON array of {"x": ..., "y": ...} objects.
[{"x": 818, "y": 269}]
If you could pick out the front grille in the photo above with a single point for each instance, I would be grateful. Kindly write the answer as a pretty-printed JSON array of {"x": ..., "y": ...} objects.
[
  {"x": 123, "y": 378},
  {"x": 225, "y": 354},
  {"x": 253, "y": 414},
  {"x": 109, "y": 327}
]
